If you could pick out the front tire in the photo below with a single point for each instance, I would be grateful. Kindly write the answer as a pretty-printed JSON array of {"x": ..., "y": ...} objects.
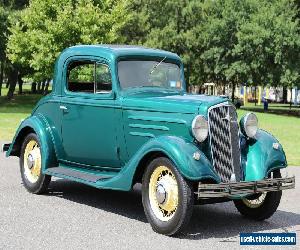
[
  {"x": 260, "y": 207},
  {"x": 168, "y": 198},
  {"x": 31, "y": 166}
]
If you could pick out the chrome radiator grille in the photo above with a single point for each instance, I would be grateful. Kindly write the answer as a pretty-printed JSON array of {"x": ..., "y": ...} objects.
[{"x": 224, "y": 142}]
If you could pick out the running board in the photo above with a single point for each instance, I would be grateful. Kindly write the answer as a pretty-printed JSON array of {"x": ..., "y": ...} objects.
[{"x": 65, "y": 172}]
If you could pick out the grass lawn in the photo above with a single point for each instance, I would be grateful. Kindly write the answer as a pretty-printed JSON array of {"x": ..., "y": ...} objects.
[
  {"x": 285, "y": 128},
  {"x": 12, "y": 112}
]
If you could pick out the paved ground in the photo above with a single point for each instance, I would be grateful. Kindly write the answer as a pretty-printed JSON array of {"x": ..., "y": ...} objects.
[{"x": 74, "y": 216}]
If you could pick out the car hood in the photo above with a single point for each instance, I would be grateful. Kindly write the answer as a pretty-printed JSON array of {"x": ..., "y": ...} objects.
[{"x": 186, "y": 103}]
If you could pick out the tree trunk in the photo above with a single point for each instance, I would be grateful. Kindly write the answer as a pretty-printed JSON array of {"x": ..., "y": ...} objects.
[
  {"x": 284, "y": 95},
  {"x": 291, "y": 99},
  {"x": 12, "y": 79},
  {"x": 39, "y": 87},
  {"x": 43, "y": 86},
  {"x": 1, "y": 74},
  {"x": 33, "y": 88},
  {"x": 46, "y": 87},
  {"x": 255, "y": 96},
  {"x": 20, "y": 82},
  {"x": 233, "y": 89}
]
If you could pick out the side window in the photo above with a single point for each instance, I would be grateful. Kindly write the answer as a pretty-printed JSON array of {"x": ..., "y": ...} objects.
[
  {"x": 103, "y": 79},
  {"x": 81, "y": 77},
  {"x": 89, "y": 77}
]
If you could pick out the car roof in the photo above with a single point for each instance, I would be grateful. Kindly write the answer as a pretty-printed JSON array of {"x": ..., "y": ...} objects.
[
  {"x": 119, "y": 50},
  {"x": 108, "y": 52}
]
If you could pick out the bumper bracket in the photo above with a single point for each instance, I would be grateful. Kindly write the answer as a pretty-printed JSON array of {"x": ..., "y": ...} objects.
[{"x": 5, "y": 147}]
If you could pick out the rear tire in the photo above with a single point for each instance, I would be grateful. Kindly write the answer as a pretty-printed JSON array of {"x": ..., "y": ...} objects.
[
  {"x": 260, "y": 210},
  {"x": 168, "y": 198},
  {"x": 31, "y": 166}
]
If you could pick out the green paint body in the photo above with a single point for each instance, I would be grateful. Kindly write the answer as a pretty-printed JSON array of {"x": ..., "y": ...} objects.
[{"x": 111, "y": 134}]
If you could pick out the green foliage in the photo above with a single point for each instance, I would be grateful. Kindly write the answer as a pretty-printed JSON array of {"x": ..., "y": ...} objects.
[
  {"x": 8, "y": 9},
  {"x": 167, "y": 25},
  {"x": 82, "y": 73},
  {"x": 223, "y": 41},
  {"x": 47, "y": 27},
  {"x": 232, "y": 41},
  {"x": 3, "y": 31},
  {"x": 13, "y": 4},
  {"x": 269, "y": 44}
]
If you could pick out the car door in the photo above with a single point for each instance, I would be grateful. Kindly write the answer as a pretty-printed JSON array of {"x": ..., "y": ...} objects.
[{"x": 88, "y": 128}]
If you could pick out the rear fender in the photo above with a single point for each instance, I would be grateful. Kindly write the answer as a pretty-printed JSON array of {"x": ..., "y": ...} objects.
[{"x": 38, "y": 125}]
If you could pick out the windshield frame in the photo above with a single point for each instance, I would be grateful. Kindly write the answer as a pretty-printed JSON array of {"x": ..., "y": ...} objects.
[{"x": 125, "y": 91}]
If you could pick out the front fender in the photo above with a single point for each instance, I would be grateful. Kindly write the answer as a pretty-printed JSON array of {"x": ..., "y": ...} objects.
[
  {"x": 181, "y": 153},
  {"x": 178, "y": 150},
  {"x": 259, "y": 157},
  {"x": 39, "y": 125}
]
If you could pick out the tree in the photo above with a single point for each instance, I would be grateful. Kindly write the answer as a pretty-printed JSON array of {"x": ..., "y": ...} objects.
[
  {"x": 222, "y": 41},
  {"x": 47, "y": 27},
  {"x": 3, "y": 32},
  {"x": 13, "y": 4},
  {"x": 167, "y": 24},
  {"x": 269, "y": 44},
  {"x": 8, "y": 9},
  {"x": 226, "y": 42}
]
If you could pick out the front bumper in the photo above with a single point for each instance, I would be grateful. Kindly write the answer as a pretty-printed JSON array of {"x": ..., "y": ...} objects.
[{"x": 236, "y": 190}]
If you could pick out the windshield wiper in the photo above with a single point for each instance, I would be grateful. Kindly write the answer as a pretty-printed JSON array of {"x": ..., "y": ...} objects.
[{"x": 155, "y": 66}]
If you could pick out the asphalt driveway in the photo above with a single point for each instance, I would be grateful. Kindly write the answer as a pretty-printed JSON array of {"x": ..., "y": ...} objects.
[{"x": 75, "y": 216}]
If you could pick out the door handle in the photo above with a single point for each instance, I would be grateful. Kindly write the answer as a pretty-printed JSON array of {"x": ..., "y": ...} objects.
[{"x": 63, "y": 108}]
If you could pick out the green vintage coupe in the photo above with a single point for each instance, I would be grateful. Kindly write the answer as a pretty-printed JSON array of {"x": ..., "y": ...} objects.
[{"x": 120, "y": 115}]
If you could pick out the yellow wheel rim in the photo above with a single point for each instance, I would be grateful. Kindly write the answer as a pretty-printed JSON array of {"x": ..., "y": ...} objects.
[
  {"x": 163, "y": 193},
  {"x": 255, "y": 203},
  {"x": 32, "y": 161}
]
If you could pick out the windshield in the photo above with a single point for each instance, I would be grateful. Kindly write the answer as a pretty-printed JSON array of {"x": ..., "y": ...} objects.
[{"x": 161, "y": 74}]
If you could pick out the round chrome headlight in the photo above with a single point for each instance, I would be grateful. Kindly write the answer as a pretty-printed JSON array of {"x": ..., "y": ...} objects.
[
  {"x": 249, "y": 125},
  {"x": 200, "y": 128}
]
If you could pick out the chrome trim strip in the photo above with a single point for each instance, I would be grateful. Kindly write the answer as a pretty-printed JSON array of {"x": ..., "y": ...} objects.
[
  {"x": 148, "y": 126},
  {"x": 142, "y": 134},
  {"x": 157, "y": 119}
]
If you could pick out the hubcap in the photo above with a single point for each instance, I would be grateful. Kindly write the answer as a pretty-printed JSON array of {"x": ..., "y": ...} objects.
[
  {"x": 32, "y": 161},
  {"x": 163, "y": 193}
]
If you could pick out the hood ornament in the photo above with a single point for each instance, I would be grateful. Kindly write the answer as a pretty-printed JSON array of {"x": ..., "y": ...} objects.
[{"x": 228, "y": 118}]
